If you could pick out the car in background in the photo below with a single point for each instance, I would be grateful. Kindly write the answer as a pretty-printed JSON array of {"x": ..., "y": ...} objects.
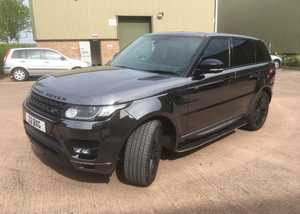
[
  {"x": 277, "y": 61},
  {"x": 22, "y": 63}
]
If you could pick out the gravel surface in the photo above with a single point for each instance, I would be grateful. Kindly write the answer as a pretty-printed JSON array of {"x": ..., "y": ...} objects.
[{"x": 245, "y": 172}]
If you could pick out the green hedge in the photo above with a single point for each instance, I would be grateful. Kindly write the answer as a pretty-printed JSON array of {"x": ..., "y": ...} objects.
[
  {"x": 5, "y": 47},
  {"x": 291, "y": 60}
]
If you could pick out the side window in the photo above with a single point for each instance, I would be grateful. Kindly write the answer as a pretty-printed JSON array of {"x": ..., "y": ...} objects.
[
  {"x": 33, "y": 54},
  {"x": 243, "y": 52},
  {"x": 218, "y": 48},
  {"x": 19, "y": 54},
  {"x": 262, "y": 54},
  {"x": 51, "y": 55}
]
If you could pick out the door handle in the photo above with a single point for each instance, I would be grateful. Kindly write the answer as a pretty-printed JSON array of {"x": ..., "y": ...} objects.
[{"x": 22, "y": 61}]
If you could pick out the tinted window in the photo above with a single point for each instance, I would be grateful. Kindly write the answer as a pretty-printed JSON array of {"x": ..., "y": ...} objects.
[
  {"x": 218, "y": 49},
  {"x": 33, "y": 54},
  {"x": 159, "y": 53},
  {"x": 262, "y": 54},
  {"x": 243, "y": 52},
  {"x": 19, "y": 54},
  {"x": 51, "y": 55}
]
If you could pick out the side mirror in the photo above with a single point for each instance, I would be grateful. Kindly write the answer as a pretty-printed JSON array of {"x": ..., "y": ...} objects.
[
  {"x": 62, "y": 58},
  {"x": 210, "y": 66},
  {"x": 113, "y": 57}
]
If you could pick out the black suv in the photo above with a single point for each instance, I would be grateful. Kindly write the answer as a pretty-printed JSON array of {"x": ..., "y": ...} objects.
[{"x": 165, "y": 91}]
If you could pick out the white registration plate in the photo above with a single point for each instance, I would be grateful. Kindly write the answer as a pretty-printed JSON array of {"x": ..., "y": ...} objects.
[{"x": 36, "y": 123}]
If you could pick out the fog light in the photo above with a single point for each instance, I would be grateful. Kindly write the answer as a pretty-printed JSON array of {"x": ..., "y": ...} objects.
[
  {"x": 77, "y": 150},
  {"x": 86, "y": 151},
  {"x": 71, "y": 113},
  {"x": 82, "y": 151}
]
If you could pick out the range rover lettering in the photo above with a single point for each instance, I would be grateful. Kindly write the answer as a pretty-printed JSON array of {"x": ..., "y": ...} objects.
[{"x": 164, "y": 92}]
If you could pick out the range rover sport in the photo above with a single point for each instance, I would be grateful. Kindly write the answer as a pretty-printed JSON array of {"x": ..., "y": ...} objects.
[{"x": 165, "y": 91}]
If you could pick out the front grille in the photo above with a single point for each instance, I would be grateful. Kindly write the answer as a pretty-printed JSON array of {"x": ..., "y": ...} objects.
[{"x": 45, "y": 105}]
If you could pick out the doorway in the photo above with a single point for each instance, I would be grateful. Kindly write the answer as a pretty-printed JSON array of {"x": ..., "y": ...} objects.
[
  {"x": 131, "y": 27},
  {"x": 95, "y": 52}
]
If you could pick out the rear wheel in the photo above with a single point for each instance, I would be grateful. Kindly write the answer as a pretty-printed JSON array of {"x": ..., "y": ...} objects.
[
  {"x": 259, "y": 112},
  {"x": 142, "y": 154},
  {"x": 76, "y": 68},
  {"x": 20, "y": 74}
]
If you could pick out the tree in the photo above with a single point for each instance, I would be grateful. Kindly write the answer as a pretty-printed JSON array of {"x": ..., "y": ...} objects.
[{"x": 14, "y": 17}]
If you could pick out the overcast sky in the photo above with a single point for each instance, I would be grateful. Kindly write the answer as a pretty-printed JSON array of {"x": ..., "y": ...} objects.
[{"x": 26, "y": 2}]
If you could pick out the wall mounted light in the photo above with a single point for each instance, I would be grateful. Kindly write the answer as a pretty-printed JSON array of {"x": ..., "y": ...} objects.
[{"x": 160, "y": 15}]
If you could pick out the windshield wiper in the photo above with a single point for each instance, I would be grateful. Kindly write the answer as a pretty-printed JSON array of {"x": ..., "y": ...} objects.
[
  {"x": 122, "y": 66},
  {"x": 163, "y": 72}
]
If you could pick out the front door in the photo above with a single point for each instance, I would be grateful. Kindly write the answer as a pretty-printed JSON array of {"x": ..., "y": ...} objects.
[
  {"x": 131, "y": 27},
  {"x": 210, "y": 96}
]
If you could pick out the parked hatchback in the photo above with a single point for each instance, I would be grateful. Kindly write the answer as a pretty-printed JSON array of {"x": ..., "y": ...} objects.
[
  {"x": 165, "y": 91},
  {"x": 277, "y": 61},
  {"x": 22, "y": 63}
]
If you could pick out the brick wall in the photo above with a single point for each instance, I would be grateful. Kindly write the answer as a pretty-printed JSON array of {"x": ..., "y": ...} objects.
[
  {"x": 72, "y": 49},
  {"x": 68, "y": 48},
  {"x": 108, "y": 49}
]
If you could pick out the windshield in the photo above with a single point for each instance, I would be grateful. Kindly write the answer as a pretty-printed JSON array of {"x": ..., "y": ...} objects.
[{"x": 159, "y": 54}]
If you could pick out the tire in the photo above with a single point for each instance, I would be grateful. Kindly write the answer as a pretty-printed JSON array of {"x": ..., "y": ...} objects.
[
  {"x": 277, "y": 64},
  {"x": 142, "y": 154},
  {"x": 20, "y": 74},
  {"x": 259, "y": 112}
]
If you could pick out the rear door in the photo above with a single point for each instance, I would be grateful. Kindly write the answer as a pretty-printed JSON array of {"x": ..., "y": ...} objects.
[
  {"x": 35, "y": 63},
  {"x": 247, "y": 69}
]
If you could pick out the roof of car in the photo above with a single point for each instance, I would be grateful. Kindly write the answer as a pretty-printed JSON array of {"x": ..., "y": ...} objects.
[
  {"x": 33, "y": 49},
  {"x": 203, "y": 34}
]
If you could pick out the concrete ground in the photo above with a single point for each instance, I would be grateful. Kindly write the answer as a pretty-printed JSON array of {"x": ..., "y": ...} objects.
[{"x": 245, "y": 172}]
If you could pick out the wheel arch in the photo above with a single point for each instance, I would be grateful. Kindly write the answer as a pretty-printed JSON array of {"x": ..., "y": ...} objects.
[
  {"x": 18, "y": 67},
  {"x": 76, "y": 67},
  {"x": 278, "y": 60},
  {"x": 266, "y": 89},
  {"x": 169, "y": 128}
]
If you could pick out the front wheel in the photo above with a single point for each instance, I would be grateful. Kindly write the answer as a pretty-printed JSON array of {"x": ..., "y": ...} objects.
[
  {"x": 258, "y": 113},
  {"x": 142, "y": 154},
  {"x": 76, "y": 68},
  {"x": 277, "y": 64}
]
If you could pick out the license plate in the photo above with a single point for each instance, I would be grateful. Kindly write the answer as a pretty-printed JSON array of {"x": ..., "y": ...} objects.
[{"x": 34, "y": 122}]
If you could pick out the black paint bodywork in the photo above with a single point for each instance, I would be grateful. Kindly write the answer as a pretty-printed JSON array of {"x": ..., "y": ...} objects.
[{"x": 193, "y": 106}]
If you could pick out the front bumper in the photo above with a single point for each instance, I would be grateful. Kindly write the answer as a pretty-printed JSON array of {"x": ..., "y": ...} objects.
[{"x": 63, "y": 138}]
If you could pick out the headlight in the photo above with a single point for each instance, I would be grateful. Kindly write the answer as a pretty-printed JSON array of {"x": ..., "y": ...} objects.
[{"x": 91, "y": 112}]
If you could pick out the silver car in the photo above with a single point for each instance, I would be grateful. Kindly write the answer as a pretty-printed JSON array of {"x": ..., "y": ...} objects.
[
  {"x": 277, "y": 61},
  {"x": 21, "y": 63}
]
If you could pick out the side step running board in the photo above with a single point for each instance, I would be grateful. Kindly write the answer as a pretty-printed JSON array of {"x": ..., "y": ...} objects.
[{"x": 205, "y": 139}]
